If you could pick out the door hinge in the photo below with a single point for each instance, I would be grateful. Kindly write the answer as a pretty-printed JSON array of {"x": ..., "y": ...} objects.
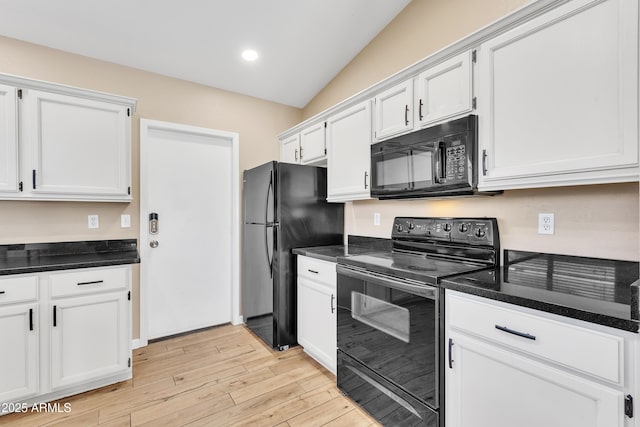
[
  {"x": 474, "y": 55},
  {"x": 128, "y": 112},
  {"x": 129, "y": 295},
  {"x": 474, "y": 102},
  {"x": 129, "y": 363},
  {"x": 19, "y": 93},
  {"x": 628, "y": 406},
  {"x": 129, "y": 190},
  {"x": 20, "y": 186},
  {"x": 325, "y": 151}
]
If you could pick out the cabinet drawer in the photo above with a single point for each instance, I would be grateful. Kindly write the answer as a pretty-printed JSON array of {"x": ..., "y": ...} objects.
[
  {"x": 592, "y": 352},
  {"x": 18, "y": 289},
  {"x": 84, "y": 282},
  {"x": 315, "y": 269}
]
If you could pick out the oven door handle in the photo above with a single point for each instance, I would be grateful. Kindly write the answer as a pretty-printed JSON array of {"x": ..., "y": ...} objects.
[{"x": 400, "y": 284}]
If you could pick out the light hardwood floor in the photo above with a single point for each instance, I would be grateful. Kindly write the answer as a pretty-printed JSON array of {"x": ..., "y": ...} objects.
[{"x": 223, "y": 376}]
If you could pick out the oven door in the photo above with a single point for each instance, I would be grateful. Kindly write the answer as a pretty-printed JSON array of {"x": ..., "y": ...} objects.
[
  {"x": 398, "y": 169},
  {"x": 390, "y": 325}
]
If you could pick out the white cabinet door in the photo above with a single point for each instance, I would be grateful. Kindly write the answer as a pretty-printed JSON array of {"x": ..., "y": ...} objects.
[
  {"x": 559, "y": 98},
  {"x": 445, "y": 90},
  {"x": 8, "y": 139},
  {"x": 394, "y": 110},
  {"x": 77, "y": 146},
  {"x": 312, "y": 144},
  {"x": 490, "y": 386},
  {"x": 290, "y": 149},
  {"x": 89, "y": 338},
  {"x": 349, "y": 153},
  {"x": 18, "y": 352},
  {"x": 317, "y": 321}
]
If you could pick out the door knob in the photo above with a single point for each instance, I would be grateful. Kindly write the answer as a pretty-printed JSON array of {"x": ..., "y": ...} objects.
[{"x": 154, "y": 243}]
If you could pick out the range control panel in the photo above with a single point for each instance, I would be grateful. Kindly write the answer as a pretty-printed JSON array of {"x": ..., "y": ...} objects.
[{"x": 469, "y": 231}]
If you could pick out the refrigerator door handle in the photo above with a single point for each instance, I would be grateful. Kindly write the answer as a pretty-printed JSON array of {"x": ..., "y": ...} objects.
[
  {"x": 266, "y": 205},
  {"x": 266, "y": 248}
]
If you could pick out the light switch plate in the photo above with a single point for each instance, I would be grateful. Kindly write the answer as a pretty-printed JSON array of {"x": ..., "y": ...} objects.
[
  {"x": 93, "y": 221},
  {"x": 125, "y": 221},
  {"x": 546, "y": 223},
  {"x": 376, "y": 218}
]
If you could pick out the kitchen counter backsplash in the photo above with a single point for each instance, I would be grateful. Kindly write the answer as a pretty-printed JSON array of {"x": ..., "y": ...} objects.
[{"x": 38, "y": 257}]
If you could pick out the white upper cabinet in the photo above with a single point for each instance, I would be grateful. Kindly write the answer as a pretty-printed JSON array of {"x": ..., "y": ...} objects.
[
  {"x": 290, "y": 149},
  {"x": 312, "y": 144},
  {"x": 63, "y": 143},
  {"x": 558, "y": 98},
  {"x": 349, "y": 148},
  {"x": 77, "y": 146},
  {"x": 8, "y": 139},
  {"x": 394, "y": 110},
  {"x": 308, "y": 147},
  {"x": 445, "y": 90}
]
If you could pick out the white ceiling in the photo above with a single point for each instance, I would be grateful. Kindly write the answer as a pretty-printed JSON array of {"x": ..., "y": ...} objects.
[{"x": 302, "y": 44}]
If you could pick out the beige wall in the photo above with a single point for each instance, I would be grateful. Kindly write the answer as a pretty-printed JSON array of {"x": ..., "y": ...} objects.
[
  {"x": 257, "y": 122},
  {"x": 598, "y": 221}
]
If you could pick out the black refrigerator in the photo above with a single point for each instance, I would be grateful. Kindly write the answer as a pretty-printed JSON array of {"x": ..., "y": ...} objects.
[{"x": 284, "y": 208}]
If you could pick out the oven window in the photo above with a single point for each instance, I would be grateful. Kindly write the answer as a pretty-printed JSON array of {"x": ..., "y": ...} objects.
[{"x": 389, "y": 318}]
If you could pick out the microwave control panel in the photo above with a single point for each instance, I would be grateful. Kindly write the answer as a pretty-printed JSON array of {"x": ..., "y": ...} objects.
[{"x": 456, "y": 162}]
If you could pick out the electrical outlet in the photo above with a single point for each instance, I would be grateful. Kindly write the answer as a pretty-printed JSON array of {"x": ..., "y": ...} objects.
[
  {"x": 125, "y": 221},
  {"x": 376, "y": 218},
  {"x": 93, "y": 221},
  {"x": 546, "y": 223}
]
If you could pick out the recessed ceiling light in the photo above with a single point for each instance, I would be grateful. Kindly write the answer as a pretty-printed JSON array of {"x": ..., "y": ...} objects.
[{"x": 250, "y": 55}]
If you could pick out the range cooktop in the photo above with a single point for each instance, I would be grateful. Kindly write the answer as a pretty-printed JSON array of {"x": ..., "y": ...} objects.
[{"x": 429, "y": 249}]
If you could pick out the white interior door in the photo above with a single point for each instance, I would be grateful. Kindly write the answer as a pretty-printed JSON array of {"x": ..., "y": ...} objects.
[{"x": 189, "y": 268}]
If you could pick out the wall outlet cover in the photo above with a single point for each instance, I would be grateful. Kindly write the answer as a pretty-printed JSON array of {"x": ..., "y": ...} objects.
[
  {"x": 93, "y": 221},
  {"x": 125, "y": 221},
  {"x": 546, "y": 223},
  {"x": 376, "y": 218}
]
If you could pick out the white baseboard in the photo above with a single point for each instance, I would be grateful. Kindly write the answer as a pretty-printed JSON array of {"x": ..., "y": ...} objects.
[
  {"x": 137, "y": 343},
  {"x": 237, "y": 321}
]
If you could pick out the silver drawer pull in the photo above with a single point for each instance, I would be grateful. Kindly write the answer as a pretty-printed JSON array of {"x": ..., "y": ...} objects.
[
  {"x": 518, "y": 333},
  {"x": 312, "y": 271},
  {"x": 95, "y": 282}
]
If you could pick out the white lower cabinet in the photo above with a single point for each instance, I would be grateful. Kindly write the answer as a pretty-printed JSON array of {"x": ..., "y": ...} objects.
[
  {"x": 19, "y": 351},
  {"x": 64, "y": 332},
  {"x": 317, "y": 310},
  {"x": 89, "y": 338},
  {"x": 541, "y": 377}
]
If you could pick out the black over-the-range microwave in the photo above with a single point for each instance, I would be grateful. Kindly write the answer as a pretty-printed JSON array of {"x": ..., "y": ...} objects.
[{"x": 433, "y": 162}]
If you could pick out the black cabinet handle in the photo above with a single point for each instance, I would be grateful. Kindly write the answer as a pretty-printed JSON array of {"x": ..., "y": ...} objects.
[
  {"x": 33, "y": 178},
  {"x": 420, "y": 110},
  {"x": 366, "y": 175},
  {"x": 31, "y": 319},
  {"x": 518, "y": 333},
  {"x": 296, "y": 154},
  {"x": 1, "y": 292},
  {"x": 312, "y": 271},
  {"x": 300, "y": 153},
  {"x": 406, "y": 115},
  {"x": 95, "y": 282},
  {"x": 55, "y": 319},
  {"x": 484, "y": 162},
  {"x": 450, "y": 358},
  {"x": 333, "y": 297}
]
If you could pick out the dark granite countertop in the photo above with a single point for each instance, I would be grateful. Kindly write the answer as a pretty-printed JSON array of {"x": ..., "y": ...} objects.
[
  {"x": 39, "y": 257},
  {"x": 358, "y": 245},
  {"x": 595, "y": 290}
]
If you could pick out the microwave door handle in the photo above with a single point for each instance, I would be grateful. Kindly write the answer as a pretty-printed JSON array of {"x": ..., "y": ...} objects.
[{"x": 442, "y": 161}]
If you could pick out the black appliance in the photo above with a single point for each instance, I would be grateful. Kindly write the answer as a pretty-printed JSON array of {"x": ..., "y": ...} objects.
[
  {"x": 390, "y": 308},
  {"x": 284, "y": 207},
  {"x": 433, "y": 162}
]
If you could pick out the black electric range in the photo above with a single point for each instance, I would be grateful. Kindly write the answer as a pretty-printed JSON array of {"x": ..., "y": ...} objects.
[{"x": 388, "y": 308}]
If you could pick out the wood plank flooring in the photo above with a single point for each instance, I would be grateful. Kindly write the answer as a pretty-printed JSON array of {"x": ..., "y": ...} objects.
[{"x": 223, "y": 376}]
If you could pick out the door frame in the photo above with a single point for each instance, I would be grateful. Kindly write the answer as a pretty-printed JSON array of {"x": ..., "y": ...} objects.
[{"x": 233, "y": 138}]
